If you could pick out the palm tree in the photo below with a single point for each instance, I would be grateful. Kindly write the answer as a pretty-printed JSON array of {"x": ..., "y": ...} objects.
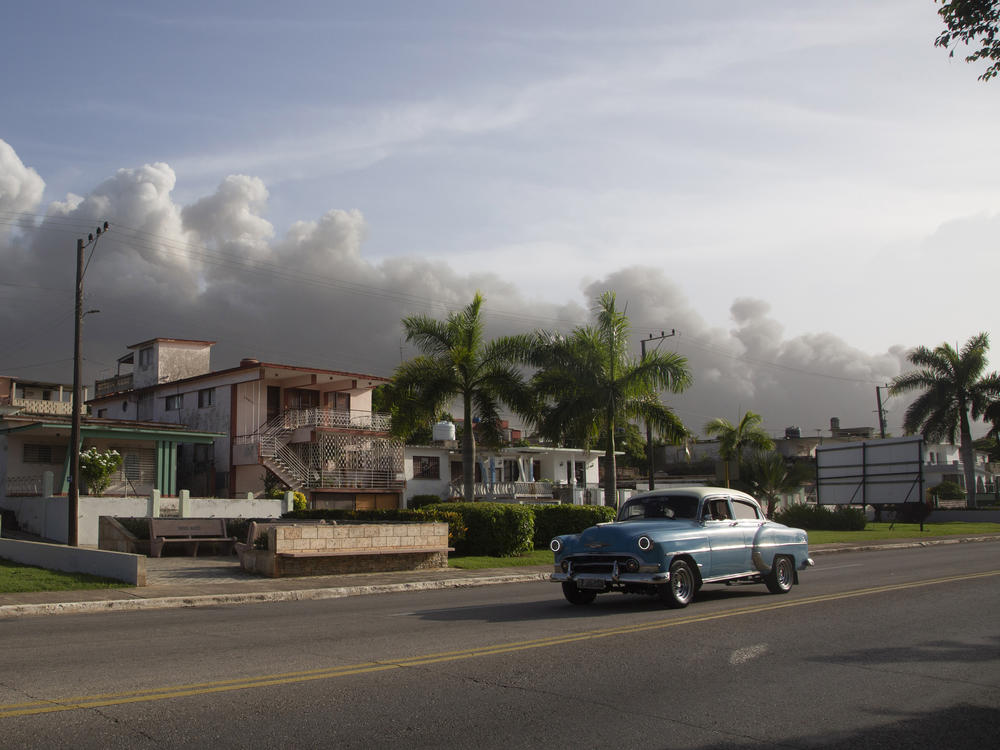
[
  {"x": 768, "y": 477},
  {"x": 587, "y": 383},
  {"x": 457, "y": 364},
  {"x": 953, "y": 387},
  {"x": 735, "y": 438}
]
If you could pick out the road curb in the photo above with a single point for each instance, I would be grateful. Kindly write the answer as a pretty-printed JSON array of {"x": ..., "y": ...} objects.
[
  {"x": 256, "y": 597},
  {"x": 902, "y": 545}
]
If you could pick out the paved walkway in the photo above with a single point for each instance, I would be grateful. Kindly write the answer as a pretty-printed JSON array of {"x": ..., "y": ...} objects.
[{"x": 212, "y": 581}]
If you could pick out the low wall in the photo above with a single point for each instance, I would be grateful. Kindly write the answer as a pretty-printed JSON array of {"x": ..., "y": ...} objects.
[
  {"x": 326, "y": 549},
  {"x": 48, "y": 517},
  {"x": 969, "y": 516},
  {"x": 117, "y": 565}
]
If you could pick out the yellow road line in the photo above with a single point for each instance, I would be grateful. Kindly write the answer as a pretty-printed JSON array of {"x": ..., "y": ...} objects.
[{"x": 287, "y": 678}]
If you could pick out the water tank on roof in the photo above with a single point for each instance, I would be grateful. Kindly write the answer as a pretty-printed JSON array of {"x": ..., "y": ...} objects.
[
  {"x": 792, "y": 433},
  {"x": 443, "y": 431}
]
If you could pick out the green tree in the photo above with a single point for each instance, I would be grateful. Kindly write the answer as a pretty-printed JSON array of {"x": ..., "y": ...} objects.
[
  {"x": 952, "y": 387},
  {"x": 768, "y": 476},
  {"x": 458, "y": 364},
  {"x": 587, "y": 383},
  {"x": 734, "y": 439},
  {"x": 972, "y": 22},
  {"x": 97, "y": 467}
]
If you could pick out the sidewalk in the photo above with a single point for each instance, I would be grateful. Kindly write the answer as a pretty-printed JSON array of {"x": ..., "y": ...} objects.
[{"x": 213, "y": 581}]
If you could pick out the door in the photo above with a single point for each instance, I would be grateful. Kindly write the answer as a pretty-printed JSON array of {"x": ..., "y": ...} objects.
[{"x": 730, "y": 554}]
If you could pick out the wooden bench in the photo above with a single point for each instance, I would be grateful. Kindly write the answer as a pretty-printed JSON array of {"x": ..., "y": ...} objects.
[{"x": 189, "y": 531}]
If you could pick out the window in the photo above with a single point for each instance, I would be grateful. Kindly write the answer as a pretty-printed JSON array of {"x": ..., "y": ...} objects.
[
  {"x": 744, "y": 511},
  {"x": 146, "y": 357},
  {"x": 426, "y": 467},
  {"x": 175, "y": 402},
  {"x": 44, "y": 454},
  {"x": 102, "y": 413},
  {"x": 511, "y": 470},
  {"x": 206, "y": 397}
]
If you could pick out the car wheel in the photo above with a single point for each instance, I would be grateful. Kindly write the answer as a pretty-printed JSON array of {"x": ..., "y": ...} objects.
[
  {"x": 678, "y": 592},
  {"x": 575, "y": 595},
  {"x": 781, "y": 577}
]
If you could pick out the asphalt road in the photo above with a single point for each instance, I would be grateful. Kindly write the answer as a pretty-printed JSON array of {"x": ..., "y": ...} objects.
[{"x": 883, "y": 649}]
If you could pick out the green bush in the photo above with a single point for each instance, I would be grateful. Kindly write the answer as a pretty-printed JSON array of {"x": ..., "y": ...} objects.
[
  {"x": 555, "y": 520},
  {"x": 493, "y": 529},
  {"x": 820, "y": 518},
  {"x": 97, "y": 467},
  {"x": 421, "y": 501},
  {"x": 948, "y": 491},
  {"x": 456, "y": 524}
]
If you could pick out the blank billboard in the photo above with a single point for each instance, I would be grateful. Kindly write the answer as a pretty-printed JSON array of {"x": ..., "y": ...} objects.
[{"x": 870, "y": 473}]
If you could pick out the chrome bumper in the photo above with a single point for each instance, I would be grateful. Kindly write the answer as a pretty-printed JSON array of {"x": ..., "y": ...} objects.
[
  {"x": 615, "y": 576},
  {"x": 807, "y": 563}
]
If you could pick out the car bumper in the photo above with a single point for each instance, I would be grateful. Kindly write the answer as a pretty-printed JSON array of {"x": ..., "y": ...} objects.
[{"x": 591, "y": 580}]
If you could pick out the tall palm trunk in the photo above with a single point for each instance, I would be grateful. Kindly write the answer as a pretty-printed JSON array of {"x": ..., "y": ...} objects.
[
  {"x": 967, "y": 451},
  {"x": 610, "y": 465},
  {"x": 468, "y": 454}
]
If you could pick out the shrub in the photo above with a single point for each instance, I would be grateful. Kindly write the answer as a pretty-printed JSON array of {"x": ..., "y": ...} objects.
[
  {"x": 421, "y": 501},
  {"x": 820, "y": 518},
  {"x": 456, "y": 525},
  {"x": 97, "y": 467},
  {"x": 299, "y": 501},
  {"x": 493, "y": 529},
  {"x": 948, "y": 491},
  {"x": 554, "y": 520}
]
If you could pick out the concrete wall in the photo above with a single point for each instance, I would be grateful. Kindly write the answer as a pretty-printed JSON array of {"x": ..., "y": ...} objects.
[
  {"x": 48, "y": 517},
  {"x": 118, "y": 565}
]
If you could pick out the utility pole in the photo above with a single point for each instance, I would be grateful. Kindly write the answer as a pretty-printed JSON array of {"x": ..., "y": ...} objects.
[
  {"x": 73, "y": 510},
  {"x": 881, "y": 411},
  {"x": 649, "y": 430}
]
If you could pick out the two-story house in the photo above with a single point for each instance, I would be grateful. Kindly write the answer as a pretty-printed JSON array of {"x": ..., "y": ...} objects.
[{"x": 312, "y": 428}]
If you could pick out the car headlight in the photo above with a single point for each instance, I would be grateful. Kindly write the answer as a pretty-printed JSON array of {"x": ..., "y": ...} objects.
[
  {"x": 555, "y": 545},
  {"x": 645, "y": 543}
]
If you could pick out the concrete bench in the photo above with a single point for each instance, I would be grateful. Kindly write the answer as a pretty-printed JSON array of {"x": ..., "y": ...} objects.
[{"x": 187, "y": 531}]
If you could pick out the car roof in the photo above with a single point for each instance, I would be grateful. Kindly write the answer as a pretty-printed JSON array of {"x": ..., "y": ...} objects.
[{"x": 698, "y": 491}]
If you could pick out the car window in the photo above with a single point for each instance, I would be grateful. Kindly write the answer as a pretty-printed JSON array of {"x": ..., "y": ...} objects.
[
  {"x": 745, "y": 511},
  {"x": 716, "y": 509},
  {"x": 659, "y": 506}
]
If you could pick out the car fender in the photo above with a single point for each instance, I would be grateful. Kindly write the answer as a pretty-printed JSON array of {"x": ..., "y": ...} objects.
[{"x": 774, "y": 539}]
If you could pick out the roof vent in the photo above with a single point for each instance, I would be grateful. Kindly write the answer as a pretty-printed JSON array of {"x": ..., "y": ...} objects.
[{"x": 249, "y": 362}]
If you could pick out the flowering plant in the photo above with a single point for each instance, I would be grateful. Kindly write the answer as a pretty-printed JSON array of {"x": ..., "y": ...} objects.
[{"x": 97, "y": 468}]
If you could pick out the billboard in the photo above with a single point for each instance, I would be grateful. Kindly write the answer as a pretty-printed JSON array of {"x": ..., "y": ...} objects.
[{"x": 876, "y": 472}]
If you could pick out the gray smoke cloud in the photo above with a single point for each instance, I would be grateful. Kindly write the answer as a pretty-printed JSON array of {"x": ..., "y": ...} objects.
[{"x": 216, "y": 269}]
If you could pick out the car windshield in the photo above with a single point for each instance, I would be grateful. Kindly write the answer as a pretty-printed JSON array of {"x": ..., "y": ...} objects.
[{"x": 673, "y": 506}]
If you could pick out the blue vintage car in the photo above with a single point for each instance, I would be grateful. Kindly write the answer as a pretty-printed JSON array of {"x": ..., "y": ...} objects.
[{"x": 670, "y": 542}]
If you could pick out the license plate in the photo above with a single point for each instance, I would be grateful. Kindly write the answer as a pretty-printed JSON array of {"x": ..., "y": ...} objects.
[{"x": 590, "y": 583}]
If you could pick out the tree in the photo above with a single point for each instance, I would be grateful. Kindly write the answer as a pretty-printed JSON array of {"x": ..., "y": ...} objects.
[
  {"x": 972, "y": 21},
  {"x": 768, "y": 476},
  {"x": 953, "y": 387},
  {"x": 457, "y": 364},
  {"x": 97, "y": 467},
  {"x": 587, "y": 383},
  {"x": 735, "y": 438}
]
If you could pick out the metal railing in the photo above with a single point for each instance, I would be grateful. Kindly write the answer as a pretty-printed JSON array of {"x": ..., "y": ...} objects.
[
  {"x": 113, "y": 385},
  {"x": 505, "y": 490},
  {"x": 24, "y": 486}
]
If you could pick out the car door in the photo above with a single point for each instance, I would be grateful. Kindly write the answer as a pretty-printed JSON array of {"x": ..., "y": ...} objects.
[
  {"x": 729, "y": 552},
  {"x": 749, "y": 519}
]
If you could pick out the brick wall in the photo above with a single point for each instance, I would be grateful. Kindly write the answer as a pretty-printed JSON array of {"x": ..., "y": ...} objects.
[{"x": 320, "y": 537}]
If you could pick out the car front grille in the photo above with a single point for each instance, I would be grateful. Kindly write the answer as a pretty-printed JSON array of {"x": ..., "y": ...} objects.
[{"x": 604, "y": 564}]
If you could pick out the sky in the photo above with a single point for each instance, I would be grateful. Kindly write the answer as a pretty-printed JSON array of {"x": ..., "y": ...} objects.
[{"x": 801, "y": 191}]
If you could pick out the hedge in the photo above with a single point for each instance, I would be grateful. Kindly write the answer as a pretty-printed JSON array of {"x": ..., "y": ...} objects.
[
  {"x": 820, "y": 518},
  {"x": 492, "y": 529},
  {"x": 555, "y": 520}
]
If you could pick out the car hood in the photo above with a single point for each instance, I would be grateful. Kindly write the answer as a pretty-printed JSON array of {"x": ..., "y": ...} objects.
[{"x": 623, "y": 534}]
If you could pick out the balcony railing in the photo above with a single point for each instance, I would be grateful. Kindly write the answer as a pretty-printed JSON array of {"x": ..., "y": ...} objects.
[
  {"x": 506, "y": 491},
  {"x": 335, "y": 419},
  {"x": 113, "y": 385},
  {"x": 40, "y": 406}
]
